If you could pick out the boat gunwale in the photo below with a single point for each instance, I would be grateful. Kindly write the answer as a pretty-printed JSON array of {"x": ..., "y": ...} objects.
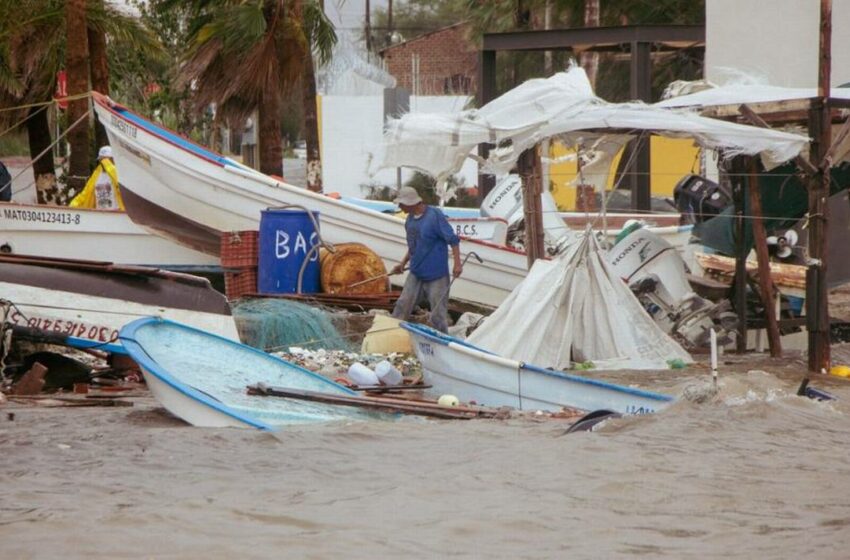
[
  {"x": 138, "y": 353},
  {"x": 474, "y": 351}
]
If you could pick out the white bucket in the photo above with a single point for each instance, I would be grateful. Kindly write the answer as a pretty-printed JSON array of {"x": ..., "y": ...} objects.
[
  {"x": 388, "y": 374},
  {"x": 362, "y": 375}
]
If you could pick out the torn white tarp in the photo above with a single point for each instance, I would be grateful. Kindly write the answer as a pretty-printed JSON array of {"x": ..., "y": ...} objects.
[
  {"x": 563, "y": 104},
  {"x": 575, "y": 309},
  {"x": 736, "y": 94}
]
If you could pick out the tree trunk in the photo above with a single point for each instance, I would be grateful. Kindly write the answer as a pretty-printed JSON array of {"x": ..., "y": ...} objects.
[
  {"x": 311, "y": 126},
  {"x": 271, "y": 153},
  {"x": 590, "y": 60},
  {"x": 38, "y": 134},
  {"x": 99, "y": 68},
  {"x": 77, "y": 68}
]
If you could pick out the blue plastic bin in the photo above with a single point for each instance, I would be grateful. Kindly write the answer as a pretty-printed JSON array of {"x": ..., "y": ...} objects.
[{"x": 286, "y": 237}]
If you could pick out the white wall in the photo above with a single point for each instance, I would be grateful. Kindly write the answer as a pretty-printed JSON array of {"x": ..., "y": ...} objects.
[{"x": 775, "y": 41}]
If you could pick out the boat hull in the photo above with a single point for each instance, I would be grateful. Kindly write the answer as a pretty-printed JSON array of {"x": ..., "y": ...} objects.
[
  {"x": 92, "y": 300},
  {"x": 75, "y": 233},
  {"x": 454, "y": 367},
  {"x": 202, "y": 378}
]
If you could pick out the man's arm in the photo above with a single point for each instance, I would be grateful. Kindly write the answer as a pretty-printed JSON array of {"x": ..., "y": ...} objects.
[
  {"x": 458, "y": 267},
  {"x": 399, "y": 268}
]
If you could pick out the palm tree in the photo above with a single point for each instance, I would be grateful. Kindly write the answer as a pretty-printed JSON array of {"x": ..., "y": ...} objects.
[
  {"x": 32, "y": 53},
  {"x": 77, "y": 71},
  {"x": 247, "y": 54}
]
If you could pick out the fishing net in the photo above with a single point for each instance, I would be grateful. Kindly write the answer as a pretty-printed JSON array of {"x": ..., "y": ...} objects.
[{"x": 275, "y": 324}]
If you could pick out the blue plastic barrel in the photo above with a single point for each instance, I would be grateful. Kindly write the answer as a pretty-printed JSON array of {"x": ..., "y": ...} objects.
[{"x": 286, "y": 236}]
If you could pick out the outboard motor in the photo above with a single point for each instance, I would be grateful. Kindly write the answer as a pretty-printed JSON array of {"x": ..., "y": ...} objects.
[
  {"x": 699, "y": 199},
  {"x": 657, "y": 275},
  {"x": 505, "y": 201}
]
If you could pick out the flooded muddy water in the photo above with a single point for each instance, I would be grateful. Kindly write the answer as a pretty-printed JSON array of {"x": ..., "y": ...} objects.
[{"x": 754, "y": 473}]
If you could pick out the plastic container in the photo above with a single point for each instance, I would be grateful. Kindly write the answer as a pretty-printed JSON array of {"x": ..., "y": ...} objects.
[
  {"x": 387, "y": 373},
  {"x": 362, "y": 375},
  {"x": 239, "y": 248},
  {"x": 286, "y": 237},
  {"x": 386, "y": 336}
]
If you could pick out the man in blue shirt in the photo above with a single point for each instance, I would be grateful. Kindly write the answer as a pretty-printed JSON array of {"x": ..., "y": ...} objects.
[{"x": 428, "y": 237}]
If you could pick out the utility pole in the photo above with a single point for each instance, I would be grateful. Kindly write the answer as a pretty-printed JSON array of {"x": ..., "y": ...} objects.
[
  {"x": 368, "y": 28},
  {"x": 390, "y": 23},
  {"x": 820, "y": 130}
]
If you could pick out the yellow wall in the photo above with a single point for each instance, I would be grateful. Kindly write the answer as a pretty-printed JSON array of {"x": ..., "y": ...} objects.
[{"x": 670, "y": 160}]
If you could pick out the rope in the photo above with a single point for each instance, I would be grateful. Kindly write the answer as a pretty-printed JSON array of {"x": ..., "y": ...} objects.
[
  {"x": 51, "y": 102},
  {"x": 50, "y": 147},
  {"x": 17, "y": 124}
]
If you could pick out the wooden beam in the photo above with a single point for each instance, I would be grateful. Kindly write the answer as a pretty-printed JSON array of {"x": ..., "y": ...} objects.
[
  {"x": 530, "y": 171},
  {"x": 820, "y": 129},
  {"x": 768, "y": 294},
  {"x": 740, "y": 284}
]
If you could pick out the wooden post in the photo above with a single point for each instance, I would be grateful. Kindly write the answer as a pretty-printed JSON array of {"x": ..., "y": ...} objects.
[
  {"x": 768, "y": 295},
  {"x": 820, "y": 130},
  {"x": 529, "y": 169},
  {"x": 740, "y": 284}
]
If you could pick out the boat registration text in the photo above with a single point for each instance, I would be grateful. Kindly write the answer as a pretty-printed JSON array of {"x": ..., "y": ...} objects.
[
  {"x": 43, "y": 216},
  {"x": 79, "y": 329}
]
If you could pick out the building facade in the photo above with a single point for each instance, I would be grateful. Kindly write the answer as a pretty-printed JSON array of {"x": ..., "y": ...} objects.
[{"x": 442, "y": 62}]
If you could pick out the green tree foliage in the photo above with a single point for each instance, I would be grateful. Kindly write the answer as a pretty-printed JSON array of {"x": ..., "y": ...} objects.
[{"x": 247, "y": 54}]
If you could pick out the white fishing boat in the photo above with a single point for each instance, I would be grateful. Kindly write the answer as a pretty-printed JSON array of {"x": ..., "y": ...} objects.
[
  {"x": 91, "y": 301},
  {"x": 203, "y": 379},
  {"x": 190, "y": 195},
  {"x": 455, "y": 367},
  {"x": 77, "y": 233}
]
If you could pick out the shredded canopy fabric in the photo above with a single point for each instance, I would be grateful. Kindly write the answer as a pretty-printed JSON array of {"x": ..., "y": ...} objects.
[
  {"x": 574, "y": 309},
  {"x": 562, "y": 105}
]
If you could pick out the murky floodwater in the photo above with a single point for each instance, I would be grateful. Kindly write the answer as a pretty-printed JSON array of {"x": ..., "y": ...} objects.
[{"x": 757, "y": 473}]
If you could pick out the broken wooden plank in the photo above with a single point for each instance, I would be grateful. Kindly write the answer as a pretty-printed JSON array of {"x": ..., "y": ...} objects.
[
  {"x": 722, "y": 268},
  {"x": 389, "y": 388},
  {"x": 377, "y": 403}
]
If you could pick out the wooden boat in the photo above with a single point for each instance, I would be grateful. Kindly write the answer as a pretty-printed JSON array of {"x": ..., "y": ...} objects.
[
  {"x": 453, "y": 366},
  {"x": 77, "y": 233},
  {"x": 203, "y": 379},
  {"x": 191, "y": 195},
  {"x": 92, "y": 300}
]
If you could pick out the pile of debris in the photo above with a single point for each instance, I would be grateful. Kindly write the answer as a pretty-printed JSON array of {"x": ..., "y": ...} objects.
[{"x": 334, "y": 364}]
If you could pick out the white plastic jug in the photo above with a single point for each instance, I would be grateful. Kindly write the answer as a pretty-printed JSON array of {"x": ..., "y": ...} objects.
[
  {"x": 388, "y": 374},
  {"x": 362, "y": 375}
]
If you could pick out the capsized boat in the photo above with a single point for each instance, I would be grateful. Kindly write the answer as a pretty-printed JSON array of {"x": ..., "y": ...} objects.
[
  {"x": 92, "y": 300},
  {"x": 470, "y": 373},
  {"x": 203, "y": 379},
  {"x": 79, "y": 233}
]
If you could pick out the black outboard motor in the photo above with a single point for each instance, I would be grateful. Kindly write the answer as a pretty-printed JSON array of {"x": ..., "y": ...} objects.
[{"x": 699, "y": 199}]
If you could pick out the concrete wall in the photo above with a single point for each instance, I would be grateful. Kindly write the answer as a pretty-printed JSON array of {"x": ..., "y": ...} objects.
[{"x": 775, "y": 41}]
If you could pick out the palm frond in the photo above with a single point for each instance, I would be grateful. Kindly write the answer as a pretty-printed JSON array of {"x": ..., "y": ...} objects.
[{"x": 319, "y": 30}]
